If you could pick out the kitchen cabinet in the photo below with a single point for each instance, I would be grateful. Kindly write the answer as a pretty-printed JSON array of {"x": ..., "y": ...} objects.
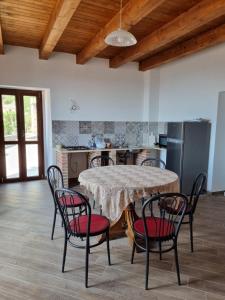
[{"x": 77, "y": 162}]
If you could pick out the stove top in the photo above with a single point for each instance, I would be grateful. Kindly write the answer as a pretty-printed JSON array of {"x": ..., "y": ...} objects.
[{"x": 75, "y": 148}]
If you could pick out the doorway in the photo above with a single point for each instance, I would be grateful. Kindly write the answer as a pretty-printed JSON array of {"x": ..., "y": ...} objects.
[{"x": 21, "y": 135}]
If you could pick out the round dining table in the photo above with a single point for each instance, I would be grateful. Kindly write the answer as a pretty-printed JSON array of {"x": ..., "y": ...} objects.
[{"x": 116, "y": 188}]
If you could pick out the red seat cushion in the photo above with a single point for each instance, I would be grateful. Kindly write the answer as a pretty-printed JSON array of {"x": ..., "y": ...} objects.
[
  {"x": 157, "y": 227},
  {"x": 98, "y": 225},
  {"x": 75, "y": 201}
]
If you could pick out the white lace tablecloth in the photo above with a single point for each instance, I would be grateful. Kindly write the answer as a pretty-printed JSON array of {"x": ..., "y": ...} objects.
[{"x": 115, "y": 187}]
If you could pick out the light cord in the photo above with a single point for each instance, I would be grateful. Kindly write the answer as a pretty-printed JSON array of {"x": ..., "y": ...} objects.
[{"x": 121, "y": 5}]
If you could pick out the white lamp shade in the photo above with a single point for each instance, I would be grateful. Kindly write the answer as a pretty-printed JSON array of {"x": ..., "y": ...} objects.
[{"x": 120, "y": 38}]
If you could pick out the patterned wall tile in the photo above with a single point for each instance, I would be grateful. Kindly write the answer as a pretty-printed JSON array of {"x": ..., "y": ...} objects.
[
  {"x": 153, "y": 128},
  {"x": 131, "y": 139},
  {"x": 97, "y": 128},
  {"x": 71, "y": 133},
  {"x": 145, "y": 127},
  {"x": 120, "y": 127},
  {"x": 71, "y": 128},
  {"x": 83, "y": 139},
  {"x": 66, "y": 140},
  {"x": 162, "y": 127},
  {"x": 65, "y": 132},
  {"x": 131, "y": 127},
  {"x": 153, "y": 123},
  {"x": 58, "y": 126},
  {"x": 85, "y": 127},
  {"x": 109, "y": 127},
  {"x": 120, "y": 140},
  {"x": 139, "y": 127},
  {"x": 55, "y": 127},
  {"x": 139, "y": 139},
  {"x": 165, "y": 127}
]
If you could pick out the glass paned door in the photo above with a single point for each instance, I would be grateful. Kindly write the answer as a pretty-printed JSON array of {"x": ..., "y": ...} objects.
[
  {"x": 9, "y": 117},
  {"x": 30, "y": 118},
  {"x": 30, "y": 113},
  {"x": 10, "y": 136},
  {"x": 21, "y": 135},
  {"x": 12, "y": 161}
]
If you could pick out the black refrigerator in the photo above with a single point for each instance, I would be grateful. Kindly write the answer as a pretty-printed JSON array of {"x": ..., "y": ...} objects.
[{"x": 188, "y": 151}]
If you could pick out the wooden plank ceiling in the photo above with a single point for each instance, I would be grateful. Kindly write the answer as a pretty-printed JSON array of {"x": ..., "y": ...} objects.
[{"x": 165, "y": 29}]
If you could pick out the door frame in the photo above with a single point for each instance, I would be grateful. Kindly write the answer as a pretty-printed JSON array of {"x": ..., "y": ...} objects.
[{"x": 19, "y": 93}]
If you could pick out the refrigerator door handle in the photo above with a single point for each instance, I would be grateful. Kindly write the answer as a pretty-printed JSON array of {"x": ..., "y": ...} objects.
[{"x": 175, "y": 141}]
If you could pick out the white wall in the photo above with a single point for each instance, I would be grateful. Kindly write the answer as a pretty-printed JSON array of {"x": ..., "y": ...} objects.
[
  {"x": 102, "y": 93},
  {"x": 219, "y": 156},
  {"x": 189, "y": 89},
  {"x": 151, "y": 95}
]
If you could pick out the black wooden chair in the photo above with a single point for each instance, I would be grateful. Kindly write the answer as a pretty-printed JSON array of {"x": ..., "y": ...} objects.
[
  {"x": 154, "y": 162},
  {"x": 197, "y": 189},
  {"x": 55, "y": 181},
  {"x": 157, "y": 230},
  {"x": 123, "y": 156},
  {"x": 80, "y": 226},
  {"x": 101, "y": 161}
]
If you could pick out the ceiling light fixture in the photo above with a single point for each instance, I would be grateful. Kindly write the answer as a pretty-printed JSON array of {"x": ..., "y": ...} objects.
[{"x": 120, "y": 37}]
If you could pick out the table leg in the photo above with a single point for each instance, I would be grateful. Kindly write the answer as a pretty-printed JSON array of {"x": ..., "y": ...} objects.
[
  {"x": 123, "y": 227},
  {"x": 130, "y": 216},
  {"x": 117, "y": 229}
]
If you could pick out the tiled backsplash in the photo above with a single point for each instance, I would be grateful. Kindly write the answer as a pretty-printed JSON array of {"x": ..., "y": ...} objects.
[{"x": 72, "y": 133}]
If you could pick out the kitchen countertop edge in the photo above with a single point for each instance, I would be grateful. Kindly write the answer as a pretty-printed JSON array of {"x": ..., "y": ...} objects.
[{"x": 62, "y": 150}]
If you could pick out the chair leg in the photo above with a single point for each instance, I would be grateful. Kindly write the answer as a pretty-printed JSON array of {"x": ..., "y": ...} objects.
[
  {"x": 87, "y": 261},
  {"x": 160, "y": 250},
  {"x": 53, "y": 225},
  {"x": 108, "y": 248},
  {"x": 177, "y": 264},
  {"x": 80, "y": 213},
  {"x": 64, "y": 253},
  {"x": 191, "y": 232},
  {"x": 132, "y": 254},
  {"x": 147, "y": 267},
  {"x": 62, "y": 219}
]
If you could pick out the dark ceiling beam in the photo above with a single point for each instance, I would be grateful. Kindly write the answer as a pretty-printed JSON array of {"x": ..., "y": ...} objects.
[
  {"x": 132, "y": 13},
  {"x": 58, "y": 22},
  {"x": 197, "y": 16},
  {"x": 1, "y": 41},
  {"x": 196, "y": 44}
]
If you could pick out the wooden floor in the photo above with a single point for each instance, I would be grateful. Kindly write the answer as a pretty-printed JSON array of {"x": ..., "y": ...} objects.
[{"x": 30, "y": 263}]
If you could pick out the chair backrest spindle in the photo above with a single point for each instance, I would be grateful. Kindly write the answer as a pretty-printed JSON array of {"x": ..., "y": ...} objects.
[
  {"x": 69, "y": 212},
  {"x": 197, "y": 189},
  {"x": 55, "y": 178},
  {"x": 166, "y": 212},
  {"x": 101, "y": 160},
  {"x": 153, "y": 162}
]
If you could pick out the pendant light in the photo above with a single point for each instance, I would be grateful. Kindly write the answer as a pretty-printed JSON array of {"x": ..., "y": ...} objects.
[{"x": 120, "y": 37}]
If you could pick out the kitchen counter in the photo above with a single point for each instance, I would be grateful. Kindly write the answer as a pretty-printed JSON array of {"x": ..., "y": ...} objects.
[
  {"x": 73, "y": 162},
  {"x": 63, "y": 150}
]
